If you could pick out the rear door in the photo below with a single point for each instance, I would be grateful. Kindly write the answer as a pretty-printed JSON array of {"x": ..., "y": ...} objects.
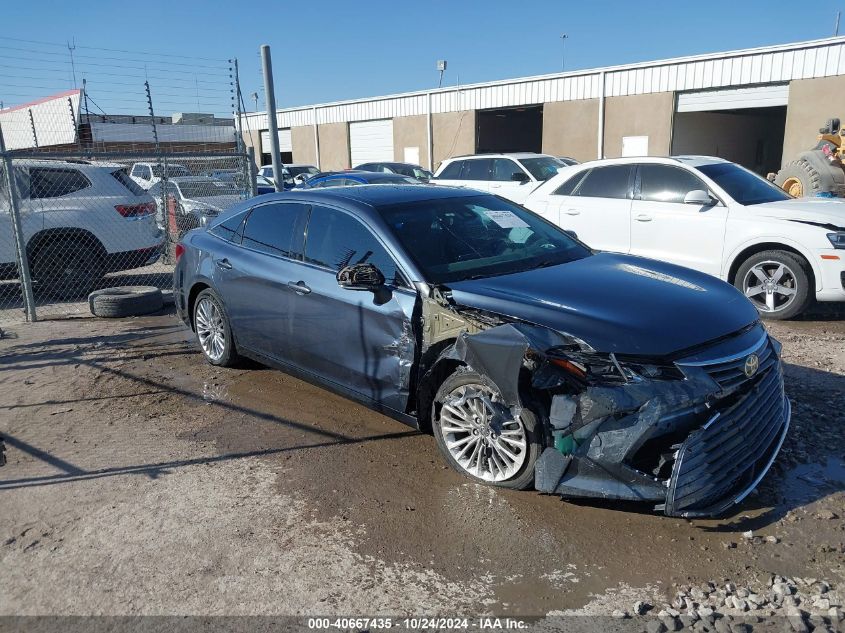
[
  {"x": 31, "y": 219},
  {"x": 596, "y": 205},
  {"x": 664, "y": 228},
  {"x": 255, "y": 277},
  {"x": 359, "y": 340},
  {"x": 503, "y": 182}
]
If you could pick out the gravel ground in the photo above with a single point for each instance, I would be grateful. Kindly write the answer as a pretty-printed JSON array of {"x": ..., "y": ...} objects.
[{"x": 141, "y": 480}]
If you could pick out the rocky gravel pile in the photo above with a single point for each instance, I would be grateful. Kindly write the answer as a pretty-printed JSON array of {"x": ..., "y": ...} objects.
[{"x": 788, "y": 604}]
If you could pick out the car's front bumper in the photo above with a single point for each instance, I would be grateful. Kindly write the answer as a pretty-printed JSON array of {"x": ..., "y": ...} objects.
[{"x": 831, "y": 284}]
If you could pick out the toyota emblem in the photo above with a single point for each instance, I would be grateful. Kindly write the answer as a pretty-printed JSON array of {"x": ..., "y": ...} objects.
[{"x": 752, "y": 364}]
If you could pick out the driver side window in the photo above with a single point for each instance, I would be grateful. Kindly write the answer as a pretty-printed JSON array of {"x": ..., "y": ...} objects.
[
  {"x": 336, "y": 239},
  {"x": 504, "y": 169},
  {"x": 663, "y": 183}
]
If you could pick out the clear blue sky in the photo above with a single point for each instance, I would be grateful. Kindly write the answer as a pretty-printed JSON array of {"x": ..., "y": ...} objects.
[{"x": 329, "y": 50}]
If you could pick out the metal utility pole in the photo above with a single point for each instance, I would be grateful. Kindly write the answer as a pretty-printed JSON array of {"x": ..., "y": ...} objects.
[
  {"x": 71, "y": 48},
  {"x": 272, "y": 124},
  {"x": 836, "y": 29},
  {"x": 563, "y": 38},
  {"x": 441, "y": 66},
  {"x": 17, "y": 230}
]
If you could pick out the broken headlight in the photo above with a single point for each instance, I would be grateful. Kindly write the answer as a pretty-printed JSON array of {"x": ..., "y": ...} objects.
[{"x": 598, "y": 368}]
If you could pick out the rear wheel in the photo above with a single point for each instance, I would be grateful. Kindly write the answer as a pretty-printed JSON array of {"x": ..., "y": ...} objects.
[
  {"x": 479, "y": 437},
  {"x": 214, "y": 333},
  {"x": 777, "y": 283},
  {"x": 67, "y": 269}
]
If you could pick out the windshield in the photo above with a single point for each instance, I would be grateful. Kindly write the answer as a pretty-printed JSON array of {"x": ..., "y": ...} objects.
[
  {"x": 542, "y": 168},
  {"x": 295, "y": 170},
  {"x": 207, "y": 189},
  {"x": 453, "y": 239},
  {"x": 742, "y": 185},
  {"x": 173, "y": 171}
]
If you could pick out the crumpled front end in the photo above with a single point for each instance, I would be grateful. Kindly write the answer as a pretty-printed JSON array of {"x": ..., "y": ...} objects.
[{"x": 693, "y": 435}]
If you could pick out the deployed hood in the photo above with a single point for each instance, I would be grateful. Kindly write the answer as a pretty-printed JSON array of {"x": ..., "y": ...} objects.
[
  {"x": 815, "y": 210},
  {"x": 616, "y": 303}
]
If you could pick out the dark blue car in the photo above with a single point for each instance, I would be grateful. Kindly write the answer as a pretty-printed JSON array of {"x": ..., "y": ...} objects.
[
  {"x": 350, "y": 178},
  {"x": 532, "y": 359}
]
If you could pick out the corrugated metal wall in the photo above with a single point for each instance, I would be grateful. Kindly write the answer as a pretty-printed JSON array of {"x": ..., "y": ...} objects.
[{"x": 805, "y": 60}]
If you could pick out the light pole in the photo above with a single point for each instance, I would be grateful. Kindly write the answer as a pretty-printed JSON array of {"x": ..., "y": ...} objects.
[
  {"x": 441, "y": 66},
  {"x": 563, "y": 38}
]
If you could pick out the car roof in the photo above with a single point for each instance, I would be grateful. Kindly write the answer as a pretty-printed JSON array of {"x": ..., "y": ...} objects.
[
  {"x": 184, "y": 179},
  {"x": 690, "y": 160},
  {"x": 516, "y": 155},
  {"x": 76, "y": 164}
]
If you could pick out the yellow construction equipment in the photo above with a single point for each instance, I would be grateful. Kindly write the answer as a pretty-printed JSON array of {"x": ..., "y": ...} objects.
[{"x": 819, "y": 171}]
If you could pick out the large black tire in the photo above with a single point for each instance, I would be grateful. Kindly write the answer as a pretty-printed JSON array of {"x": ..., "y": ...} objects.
[
  {"x": 229, "y": 356},
  {"x": 800, "y": 179},
  {"x": 801, "y": 274},
  {"x": 521, "y": 479},
  {"x": 67, "y": 268},
  {"x": 124, "y": 301}
]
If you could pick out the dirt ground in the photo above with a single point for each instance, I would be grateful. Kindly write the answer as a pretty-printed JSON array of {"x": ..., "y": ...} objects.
[{"x": 141, "y": 480}]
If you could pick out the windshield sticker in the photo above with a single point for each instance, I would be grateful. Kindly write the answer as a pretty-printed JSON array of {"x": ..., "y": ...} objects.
[{"x": 506, "y": 219}]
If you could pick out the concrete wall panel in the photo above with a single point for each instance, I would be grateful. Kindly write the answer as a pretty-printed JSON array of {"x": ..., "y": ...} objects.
[
  {"x": 639, "y": 115},
  {"x": 304, "y": 151},
  {"x": 334, "y": 146},
  {"x": 811, "y": 103},
  {"x": 410, "y": 131},
  {"x": 570, "y": 128},
  {"x": 453, "y": 134}
]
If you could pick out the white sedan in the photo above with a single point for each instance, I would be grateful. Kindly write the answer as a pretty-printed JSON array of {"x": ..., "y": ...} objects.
[{"x": 708, "y": 214}]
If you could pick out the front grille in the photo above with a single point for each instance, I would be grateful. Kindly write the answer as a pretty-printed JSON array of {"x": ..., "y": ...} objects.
[
  {"x": 723, "y": 460},
  {"x": 730, "y": 373}
]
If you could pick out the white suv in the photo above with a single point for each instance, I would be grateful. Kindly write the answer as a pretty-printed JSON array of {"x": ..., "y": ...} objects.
[
  {"x": 80, "y": 220},
  {"x": 512, "y": 176},
  {"x": 148, "y": 174},
  {"x": 711, "y": 215}
]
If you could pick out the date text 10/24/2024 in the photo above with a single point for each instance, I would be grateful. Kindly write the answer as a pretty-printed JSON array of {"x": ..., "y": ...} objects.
[{"x": 416, "y": 624}]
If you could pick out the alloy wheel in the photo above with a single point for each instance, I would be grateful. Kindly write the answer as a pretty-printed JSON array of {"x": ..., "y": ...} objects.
[
  {"x": 481, "y": 435},
  {"x": 211, "y": 330},
  {"x": 771, "y": 286}
]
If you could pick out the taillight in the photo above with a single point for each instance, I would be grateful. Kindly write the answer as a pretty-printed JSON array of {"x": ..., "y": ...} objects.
[
  {"x": 136, "y": 210},
  {"x": 180, "y": 250}
]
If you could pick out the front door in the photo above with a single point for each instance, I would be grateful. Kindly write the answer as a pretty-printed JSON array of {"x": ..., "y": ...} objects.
[
  {"x": 362, "y": 341},
  {"x": 510, "y": 181},
  {"x": 664, "y": 228}
]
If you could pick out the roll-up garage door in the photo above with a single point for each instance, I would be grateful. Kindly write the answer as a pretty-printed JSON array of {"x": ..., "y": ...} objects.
[
  {"x": 734, "y": 98},
  {"x": 285, "y": 143},
  {"x": 371, "y": 141}
]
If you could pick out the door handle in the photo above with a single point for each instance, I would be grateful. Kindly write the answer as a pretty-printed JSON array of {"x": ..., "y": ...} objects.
[
  {"x": 572, "y": 212},
  {"x": 224, "y": 263},
  {"x": 643, "y": 217},
  {"x": 299, "y": 287}
]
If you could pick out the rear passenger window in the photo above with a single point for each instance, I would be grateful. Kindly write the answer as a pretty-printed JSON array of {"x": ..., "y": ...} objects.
[
  {"x": 230, "y": 230},
  {"x": 452, "y": 171},
  {"x": 275, "y": 229},
  {"x": 478, "y": 169},
  {"x": 53, "y": 183},
  {"x": 336, "y": 239},
  {"x": 605, "y": 182}
]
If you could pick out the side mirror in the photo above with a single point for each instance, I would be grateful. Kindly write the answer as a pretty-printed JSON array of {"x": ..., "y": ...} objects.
[
  {"x": 360, "y": 277},
  {"x": 520, "y": 176},
  {"x": 699, "y": 197}
]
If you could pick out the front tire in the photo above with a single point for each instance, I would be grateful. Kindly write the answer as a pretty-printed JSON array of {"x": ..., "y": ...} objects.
[
  {"x": 213, "y": 331},
  {"x": 479, "y": 437},
  {"x": 777, "y": 283}
]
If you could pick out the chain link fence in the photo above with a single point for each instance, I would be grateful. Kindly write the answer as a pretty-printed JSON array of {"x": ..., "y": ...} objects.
[{"x": 106, "y": 159}]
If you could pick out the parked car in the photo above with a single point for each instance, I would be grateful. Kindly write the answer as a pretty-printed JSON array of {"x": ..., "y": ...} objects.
[
  {"x": 568, "y": 161},
  {"x": 294, "y": 174},
  {"x": 148, "y": 174},
  {"x": 264, "y": 185},
  {"x": 512, "y": 176},
  {"x": 197, "y": 199},
  {"x": 530, "y": 358},
  {"x": 80, "y": 221},
  {"x": 405, "y": 169},
  {"x": 710, "y": 215},
  {"x": 350, "y": 178}
]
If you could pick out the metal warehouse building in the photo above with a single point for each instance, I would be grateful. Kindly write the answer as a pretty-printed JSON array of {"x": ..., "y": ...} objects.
[{"x": 758, "y": 107}]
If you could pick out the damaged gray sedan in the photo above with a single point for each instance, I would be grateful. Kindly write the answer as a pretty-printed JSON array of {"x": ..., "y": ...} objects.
[{"x": 533, "y": 360}]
